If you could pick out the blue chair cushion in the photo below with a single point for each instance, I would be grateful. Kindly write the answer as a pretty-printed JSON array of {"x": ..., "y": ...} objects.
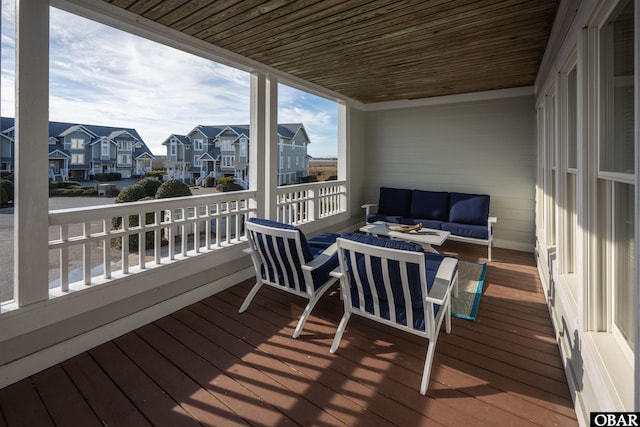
[
  {"x": 469, "y": 208},
  {"x": 320, "y": 275},
  {"x": 322, "y": 241},
  {"x": 432, "y": 263},
  {"x": 431, "y": 205},
  {"x": 466, "y": 230},
  {"x": 394, "y": 201},
  {"x": 306, "y": 249},
  {"x": 382, "y": 241}
]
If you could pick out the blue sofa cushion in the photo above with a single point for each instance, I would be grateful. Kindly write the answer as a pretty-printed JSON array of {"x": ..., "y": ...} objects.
[
  {"x": 467, "y": 230},
  {"x": 469, "y": 208},
  {"x": 394, "y": 219},
  {"x": 432, "y": 205},
  {"x": 394, "y": 201},
  {"x": 427, "y": 223}
]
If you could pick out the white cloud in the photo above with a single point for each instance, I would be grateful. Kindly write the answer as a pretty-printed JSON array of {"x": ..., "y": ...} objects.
[{"x": 103, "y": 76}]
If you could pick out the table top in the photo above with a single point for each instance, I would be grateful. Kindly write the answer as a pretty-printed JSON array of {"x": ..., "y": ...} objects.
[{"x": 425, "y": 236}]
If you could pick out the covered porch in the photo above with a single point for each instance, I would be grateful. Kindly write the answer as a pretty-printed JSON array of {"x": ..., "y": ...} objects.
[{"x": 501, "y": 98}]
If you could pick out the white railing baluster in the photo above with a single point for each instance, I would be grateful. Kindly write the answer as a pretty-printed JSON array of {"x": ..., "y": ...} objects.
[
  {"x": 125, "y": 244},
  {"x": 106, "y": 250},
  {"x": 86, "y": 252},
  {"x": 64, "y": 258}
]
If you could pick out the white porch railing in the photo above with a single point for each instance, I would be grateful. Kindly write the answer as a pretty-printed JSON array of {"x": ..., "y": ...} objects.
[
  {"x": 85, "y": 248},
  {"x": 297, "y": 204}
]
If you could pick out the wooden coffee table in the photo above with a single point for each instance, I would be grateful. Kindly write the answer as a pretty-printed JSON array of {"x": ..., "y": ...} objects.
[{"x": 427, "y": 237}]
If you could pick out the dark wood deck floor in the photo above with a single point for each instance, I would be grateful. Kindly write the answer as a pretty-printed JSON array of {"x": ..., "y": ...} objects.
[{"x": 209, "y": 365}]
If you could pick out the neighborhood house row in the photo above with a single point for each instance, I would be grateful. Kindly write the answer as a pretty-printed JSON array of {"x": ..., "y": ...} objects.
[{"x": 80, "y": 151}]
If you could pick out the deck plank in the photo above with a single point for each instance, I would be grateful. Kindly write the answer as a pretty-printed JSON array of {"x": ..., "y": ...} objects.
[
  {"x": 20, "y": 405},
  {"x": 59, "y": 394}
]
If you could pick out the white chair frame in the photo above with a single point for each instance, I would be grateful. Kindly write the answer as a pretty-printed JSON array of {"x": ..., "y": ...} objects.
[
  {"x": 446, "y": 280},
  {"x": 261, "y": 258}
]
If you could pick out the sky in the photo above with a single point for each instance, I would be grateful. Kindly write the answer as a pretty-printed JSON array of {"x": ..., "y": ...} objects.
[{"x": 103, "y": 76}]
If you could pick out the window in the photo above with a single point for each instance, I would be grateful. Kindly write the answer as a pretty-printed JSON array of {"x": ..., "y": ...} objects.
[
  {"x": 77, "y": 159},
  {"x": 227, "y": 161},
  {"x": 124, "y": 159},
  {"x": 551, "y": 178},
  {"x": 226, "y": 145},
  {"x": 125, "y": 145},
  {"x": 105, "y": 148},
  {"x": 288, "y": 162},
  {"x": 616, "y": 171},
  {"x": 77, "y": 143},
  {"x": 173, "y": 149},
  {"x": 197, "y": 144},
  {"x": 570, "y": 169}
]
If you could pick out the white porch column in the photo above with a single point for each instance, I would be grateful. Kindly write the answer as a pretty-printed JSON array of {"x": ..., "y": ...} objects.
[
  {"x": 256, "y": 143},
  {"x": 263, "y": 147},
  {"x": 31, "y": 221},
  {"x": 344, "y": 155}
]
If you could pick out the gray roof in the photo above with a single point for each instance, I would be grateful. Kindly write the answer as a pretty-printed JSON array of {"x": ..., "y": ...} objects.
[{"x": 56, "y": 129}]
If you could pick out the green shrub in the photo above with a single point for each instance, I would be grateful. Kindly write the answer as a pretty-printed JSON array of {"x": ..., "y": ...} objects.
[
  {"x": 310, "y": 178},
  {"x": 76, "y": 191},
  {"x": 3, "y": 197},
  {"x": 149, "y": 218},
  {"x": 110, "y": 176},
  {"x": 333, "y": 178},
  {"x": 158, "y": 174},
  {"x": 228, "y": 184},
  {"x": 7, "y": 186},
  {"x": 173, "y": 188},
  {"x": 150, "y": 185},
  {"x": 66, "y": 184},
  {"x": 132, "y": 193},
  {"x": 209, "y": 181}
]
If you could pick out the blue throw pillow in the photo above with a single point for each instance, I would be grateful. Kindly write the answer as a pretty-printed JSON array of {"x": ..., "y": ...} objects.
[
  {"x": 432, "y": 205},
  {"x": 469, "y": 208},
  {"x": 394, "y": 201}
]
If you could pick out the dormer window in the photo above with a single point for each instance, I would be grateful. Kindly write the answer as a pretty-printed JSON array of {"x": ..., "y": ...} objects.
[{"x": 125, "y": 145}]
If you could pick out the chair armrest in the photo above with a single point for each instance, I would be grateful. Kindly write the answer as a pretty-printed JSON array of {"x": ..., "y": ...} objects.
[
  {"x": 321, "y": 259},
  {"x": 367, "y": 208},
  {"x": 493, "y": 219},
  {"x": 442, "y": 283},
  {"x": 248, "y": 250},
  {"x": 336, "y": 272}
]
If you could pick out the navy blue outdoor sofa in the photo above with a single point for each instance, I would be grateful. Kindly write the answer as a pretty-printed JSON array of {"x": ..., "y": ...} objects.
[{"x": 465, "y": 216}]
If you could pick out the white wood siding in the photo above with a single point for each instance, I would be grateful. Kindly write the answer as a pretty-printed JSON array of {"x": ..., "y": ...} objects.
[{"x": 474, "y": 147}]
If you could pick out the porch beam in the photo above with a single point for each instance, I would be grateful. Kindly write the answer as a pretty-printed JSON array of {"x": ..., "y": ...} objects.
[{"x": 32, "y": 130}]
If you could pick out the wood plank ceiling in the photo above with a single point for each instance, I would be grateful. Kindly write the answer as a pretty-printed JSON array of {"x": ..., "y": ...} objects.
[{"x": 374, "y": 50}]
